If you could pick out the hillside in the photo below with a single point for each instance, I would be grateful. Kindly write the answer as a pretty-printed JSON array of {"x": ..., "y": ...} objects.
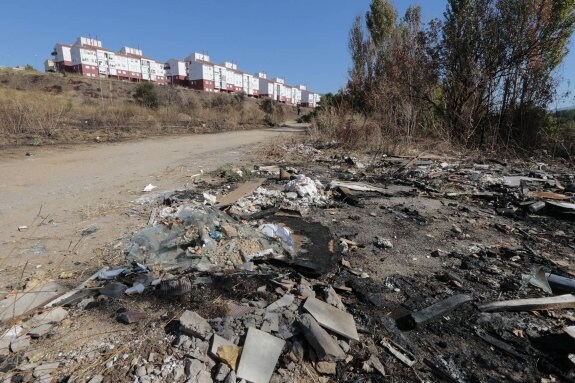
[{"x": 47, "y": 108}]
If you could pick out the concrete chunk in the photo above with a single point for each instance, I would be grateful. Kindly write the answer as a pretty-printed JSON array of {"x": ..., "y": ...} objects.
[
  {"x": 20, "y": 303},
  {"x": 323, "y": 344},
  {"x": 40, "y": 331},
  {"x": 332, "y": 318},
  {"x": 284, "y": 301},
  {"x": 193, "y": 324},
  {"x": 20, "y": 344},
  {"x": 259, "y": 356},
  {"x": 55, "y": 315},
  {"x": 218, "y": 341}
]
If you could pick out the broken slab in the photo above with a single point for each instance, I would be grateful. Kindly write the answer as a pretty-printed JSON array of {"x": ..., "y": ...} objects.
[
  {"x": 434, "y": 311},
  {"x": 217, "y": 342},
  {"x": 40, "y": 331},
  {"x": 191, "y": 323},
  {"x": 22, "y": 302},
  {"x": 20, "y": 343},
  {"x": 284, "y": 301},
  {"x": 332, "y": 318},
  {"x": 259, "y": 356},
  {"x": 357, "y": 186},
  {"x": 325, "y": 347},
  {"x": 242, "y": 191},
  {"x": 566, "y": 301},
  {"x": 55, "y": 315}
]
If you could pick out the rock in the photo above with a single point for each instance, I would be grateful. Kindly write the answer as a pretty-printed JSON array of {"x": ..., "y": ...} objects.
[
  {"x": 129, "y": 317},
  {"x": 284, "y": 301},
  {"x": 285, "y": 176},
  {"x": 383, "y": 243},
  {"x": 326, "y": 368},
  {"x": 297, "y": 352},
  {"x": 204, "y": 377},
  {"x": 141, "y": 371},
  {"x": 333, "y": 298},
  {"x": 222, "y": 372},
  {"x": 271, "y": 322},
  {"x": 192, "y": 368},
  {"x": 231, "y": 378},
  {"x": 229, "y": 230},
  {"x": 291, "y": 195},
  {"x": 40, "y": 331},
  {"x": 178, "y": 373},
  {"x": 45, "y": 369},
  {"x": 20, "y": 343},
  {"x": 193, "y": 324},
  {"x": 323, "y": 344},
  {"x": 55, "y": 315}
]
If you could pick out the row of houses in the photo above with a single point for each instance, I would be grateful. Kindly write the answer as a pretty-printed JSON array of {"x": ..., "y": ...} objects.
[{"x": 88, "y": 58}]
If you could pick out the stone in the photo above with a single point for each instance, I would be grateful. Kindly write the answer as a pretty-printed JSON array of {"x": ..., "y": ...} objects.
[
  {"x": 333, "y": 298},
  {"x": 193, "y": 324},
  {"x": 192, "y": 369},
  {"x": 222, "y": 372},
  {"x": 55, "y": 315},
  {"x": 326, "y": 368},
  {"x": 218, "y": 341},
  {"x": 284, "y": 301},
  {"x": 20, "y": 303},
  {"x": 231, "y": 378},
  {"x": 376, "y": 364},
  {"x": 332, "y": 318},
  {"x": 229, "y": 230},
  {"x": 383, "y": 243},
  {"x": 297, "y": 352},
  {"x": 141, "y": 371},
  {"x": 271, "y": 322},
  {"x": 129, "y": 317},
  {"x": 40, "y": 331},
  {"x": 45, "y": 369},
  {"x": 178, "y": 373},
  {"x": 323, "y": 344},
  {"x": 20, "y": 343},
  {"x": 204, "y": 377},
  {"x": 259, "y": 356}
]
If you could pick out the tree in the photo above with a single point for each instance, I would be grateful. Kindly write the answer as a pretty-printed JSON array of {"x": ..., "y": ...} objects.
[{"x": 146, "y": 95}]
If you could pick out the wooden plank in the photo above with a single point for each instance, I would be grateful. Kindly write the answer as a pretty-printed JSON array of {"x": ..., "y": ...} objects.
[
  {"x": 566, "y": 301},
  {"x": 242, "y": 191}
]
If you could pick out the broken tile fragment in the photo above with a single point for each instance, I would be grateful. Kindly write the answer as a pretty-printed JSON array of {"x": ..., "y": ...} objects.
[
  {"x": 332, "y": 318},
  {"x": 259, "y": 357},
  {"x": 323, "y": 344},
  {"x": 193, "y": 324}
]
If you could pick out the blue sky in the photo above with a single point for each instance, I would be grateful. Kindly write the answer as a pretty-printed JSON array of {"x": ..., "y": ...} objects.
[{"x": 302, "y": 41}]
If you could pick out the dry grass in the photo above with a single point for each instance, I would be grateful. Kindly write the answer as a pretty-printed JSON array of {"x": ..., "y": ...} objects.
[{"x": 37, "y": 109}]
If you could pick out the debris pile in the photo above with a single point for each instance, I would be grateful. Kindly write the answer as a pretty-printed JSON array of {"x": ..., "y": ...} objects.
[{"x": 409, "y": 269}]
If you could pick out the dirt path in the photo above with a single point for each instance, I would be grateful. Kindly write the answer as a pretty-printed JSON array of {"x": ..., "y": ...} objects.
[{"x": 58, "y": 193}]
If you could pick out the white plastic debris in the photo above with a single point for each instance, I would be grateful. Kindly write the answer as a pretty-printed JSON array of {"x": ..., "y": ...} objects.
[
  {"x": 259, "y": 254},
  {"x": 149, "y": 188},
  {"x": 210, "y": 199},
  {"x": 282, "y": 233},
  {"x": 303, "y": 186},
  {"x": 109, "y": 274},
  {"x": 136, "y": 289}
]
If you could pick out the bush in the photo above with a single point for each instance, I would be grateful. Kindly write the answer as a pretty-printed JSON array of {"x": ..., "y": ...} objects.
[{"x": 146, "y": 95}]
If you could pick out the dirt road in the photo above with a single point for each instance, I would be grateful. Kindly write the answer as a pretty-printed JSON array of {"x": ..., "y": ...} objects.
[{"x": 58, "y": 193}]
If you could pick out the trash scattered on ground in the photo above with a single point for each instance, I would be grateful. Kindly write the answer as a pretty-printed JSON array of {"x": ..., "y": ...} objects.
[
  {"x": 149, "y": 188},
  {"x": 410, "y": 269}
]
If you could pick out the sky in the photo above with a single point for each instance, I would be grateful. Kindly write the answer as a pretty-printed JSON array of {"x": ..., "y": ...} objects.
[{"x": 302, "y": 41}]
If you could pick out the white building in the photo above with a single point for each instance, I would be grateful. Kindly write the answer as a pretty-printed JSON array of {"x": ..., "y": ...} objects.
[
  {"x": 200, "y": 72},
  {"x": 62, "y": 57}
]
